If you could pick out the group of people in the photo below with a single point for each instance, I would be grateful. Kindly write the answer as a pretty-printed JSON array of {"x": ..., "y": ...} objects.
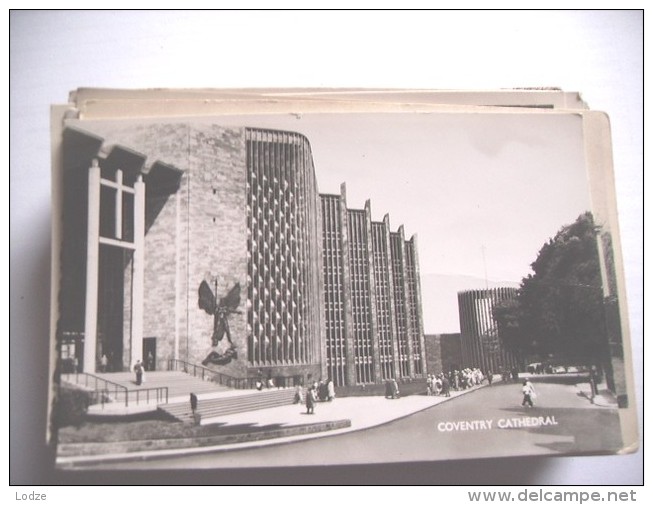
[
  {"x": 442, "y": 383},
  {"x": 509, "y": 374},
  {"x": 260, "y": 382},
  {"x": 437, "y": 385},
  {"x": 458, "y": 380},
  {"x": 322, "y": 391}
]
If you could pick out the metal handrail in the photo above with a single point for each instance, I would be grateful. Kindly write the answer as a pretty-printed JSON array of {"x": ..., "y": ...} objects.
[
  {"x": 105, "y": 390},
  {"x": 204, "y": 372},
  {"x": 161, "y": 392}
]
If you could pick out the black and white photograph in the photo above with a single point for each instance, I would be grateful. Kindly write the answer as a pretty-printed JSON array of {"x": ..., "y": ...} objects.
[
  {"x": 336, "y": 288},
  {"x": 334, "y": 248}
]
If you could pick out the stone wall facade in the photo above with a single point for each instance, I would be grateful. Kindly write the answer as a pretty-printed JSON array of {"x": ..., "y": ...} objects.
[{"x": 443, "y": 352}]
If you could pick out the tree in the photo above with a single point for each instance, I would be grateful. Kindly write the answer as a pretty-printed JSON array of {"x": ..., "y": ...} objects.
[
  {"x": 506, "y": 314},
  {"x": 559, "y": 307}
]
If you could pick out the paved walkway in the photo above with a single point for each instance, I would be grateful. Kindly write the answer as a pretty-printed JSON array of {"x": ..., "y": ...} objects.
[
  {"x": 605, "y": 398},
  {"x": 363, "y": 412}
]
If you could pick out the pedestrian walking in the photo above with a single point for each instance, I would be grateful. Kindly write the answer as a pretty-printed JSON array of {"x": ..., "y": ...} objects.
[
  {"x": 197, "y": 417},
  {"x": 193, "y": 403},
  {"x": 138, "y": 369},
  {"x": 322, "y": 391},
  {"x": 310, "y": 400},
  {"x": 331, "y": 390},
  {"x": 528, "y": 392},
  {"x": 299, "y": 396},
  {"x": 395, "y": 389},
  {"x": 430, "y": 385},
  {"x": 437, "y": 384},
  {"x": 446, "y": 386},
  {"x": 388, "y": 389}
]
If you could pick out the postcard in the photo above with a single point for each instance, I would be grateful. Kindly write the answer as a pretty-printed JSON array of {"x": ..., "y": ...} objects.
[{"x": 261, "y": 278}]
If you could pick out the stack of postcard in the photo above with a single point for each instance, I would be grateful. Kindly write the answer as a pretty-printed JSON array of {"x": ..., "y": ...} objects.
[{"x": 273, "y": 277}]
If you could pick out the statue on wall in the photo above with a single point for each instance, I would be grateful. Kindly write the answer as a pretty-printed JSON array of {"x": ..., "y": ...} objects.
[{"x": 221, "y": 354}]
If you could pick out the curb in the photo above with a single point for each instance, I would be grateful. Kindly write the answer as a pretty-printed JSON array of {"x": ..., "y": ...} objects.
[
  {"x": 130, "y": 449},
  {"x": 65, "y": 462}
]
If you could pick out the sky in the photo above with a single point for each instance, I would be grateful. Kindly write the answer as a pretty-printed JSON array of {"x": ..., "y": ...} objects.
[{"x": 482, "y": 191}]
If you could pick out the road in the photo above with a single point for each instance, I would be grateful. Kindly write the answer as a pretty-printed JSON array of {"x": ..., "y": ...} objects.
[{"x": 442, "y": 432}]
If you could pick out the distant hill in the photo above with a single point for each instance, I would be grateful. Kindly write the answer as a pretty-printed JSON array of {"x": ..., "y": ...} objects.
[{"x": 440, "y": 299}]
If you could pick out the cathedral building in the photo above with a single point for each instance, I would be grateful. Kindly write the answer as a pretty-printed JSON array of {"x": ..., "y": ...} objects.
[{"x": 196, "y": 244}]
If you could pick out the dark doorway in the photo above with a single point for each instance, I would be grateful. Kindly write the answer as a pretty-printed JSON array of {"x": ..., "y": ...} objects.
[
  {"x": 149, "y": 353},
  {"x": 111, "y": 276}
]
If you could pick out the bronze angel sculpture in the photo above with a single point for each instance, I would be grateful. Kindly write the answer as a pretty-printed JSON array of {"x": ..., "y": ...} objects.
[{"x": 220, "y": 312}]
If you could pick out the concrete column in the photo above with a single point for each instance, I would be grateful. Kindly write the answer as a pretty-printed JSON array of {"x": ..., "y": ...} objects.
[
  {"x": 350, "y": 367},
  {"x": 393, "y": 307},
  {"x": 138, "y": 276},
  {"x": 118, "y": 221},
  {"x": 177, "y": 197},
  {"x": 92, "y": 266},
  {"x": 374, "y": 326},
  {"x": 418, "y": 303},
  {"x": 409, "y": 325},
  {"x": 321, "y": 295}
]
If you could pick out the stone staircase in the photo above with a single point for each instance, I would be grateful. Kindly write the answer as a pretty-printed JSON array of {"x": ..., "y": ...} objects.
[
  {"x": 218, "y": 406},
  {"x": 127, "y": 398},
  {"x": 214, "y": 400},
  {"x": 178, "y": 383}
]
